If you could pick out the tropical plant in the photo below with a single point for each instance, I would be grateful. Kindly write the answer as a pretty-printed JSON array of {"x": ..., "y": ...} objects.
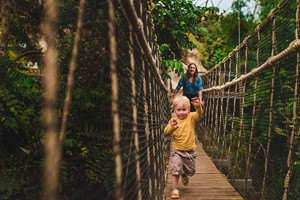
[{"x": 175, "y": 22}]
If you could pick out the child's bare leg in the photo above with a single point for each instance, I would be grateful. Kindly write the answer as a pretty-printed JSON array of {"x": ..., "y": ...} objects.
[
  {"x": 175, "y": 179},
  {"x": 175, "y": 191}
]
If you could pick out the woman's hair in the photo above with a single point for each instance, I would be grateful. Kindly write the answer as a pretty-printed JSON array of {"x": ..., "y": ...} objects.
[
  {"x": 183, "y": 99},
  {"x": 195, "y": 75}
]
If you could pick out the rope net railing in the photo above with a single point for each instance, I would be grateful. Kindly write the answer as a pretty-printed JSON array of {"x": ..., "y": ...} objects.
[
  {"x": 143, "y": 107},
  {"x": 122, "y": 153},
  {"x": 144, "y": 112},
  {"x": 251, "y": 124}
]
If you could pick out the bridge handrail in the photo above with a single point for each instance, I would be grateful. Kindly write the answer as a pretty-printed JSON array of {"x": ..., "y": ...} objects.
[{"x": 294, "y": 46}]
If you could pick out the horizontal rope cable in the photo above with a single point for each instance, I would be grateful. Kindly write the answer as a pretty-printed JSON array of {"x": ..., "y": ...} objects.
[{"x": 293, "y": 47}]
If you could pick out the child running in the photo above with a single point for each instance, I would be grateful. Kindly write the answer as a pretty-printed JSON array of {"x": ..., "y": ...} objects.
[{"x": 182, "y": 129}]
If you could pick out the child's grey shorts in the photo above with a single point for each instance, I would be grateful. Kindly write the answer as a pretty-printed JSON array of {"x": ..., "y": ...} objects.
[{"x": 182, "y": 162}]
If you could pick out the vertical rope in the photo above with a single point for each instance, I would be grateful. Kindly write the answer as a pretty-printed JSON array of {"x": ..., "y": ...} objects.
[
  {"x": 270, "y": 115},
  {"x": 51, "y": 166},
  {"x": 218, "y": 116},
  {"x": 226, "y": 111},
  {"x": 148, "y": 116},
  {"x": 220, "y": 135},
  {"x": 134, "y": 116},
  {"x": 241, "y": 128},
  {"x": 205, "y": 121},
  {"x": 248, "y": 167},
  {"x": 294, "y": 120},
  {"x": 147, "y": 129},
  {"x": 292, "y": 136},
  {"x": 153, "y": 132},
  {"x": 221, "y": 118},
  {"x": 138, "y": 165},
  {"x": 114, "y": 98},
  {"x": 212, "y": 111},
  {"x": 134, "y": 107},
  {"x": 213, "y": 117},
  {"x": 216, "y": 132},
  {"x": 68, "y": 97},
  {"x": 221, "y": 94},
  {"x": 223, "y": 112},
  {"x": 209, "y": 120},
  {"x": 233, "y": 116},
  {"x": 155, "y": 146}
]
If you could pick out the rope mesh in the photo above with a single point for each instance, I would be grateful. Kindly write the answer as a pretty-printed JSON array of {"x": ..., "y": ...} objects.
[
  {"x": 143, "y": 106},
  {"x": 251, "y": 122}
]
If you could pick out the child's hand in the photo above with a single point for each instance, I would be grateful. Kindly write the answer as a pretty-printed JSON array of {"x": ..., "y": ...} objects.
[
  {"x": 173, "y": 123},
  {"x": 196, "y": 101}
]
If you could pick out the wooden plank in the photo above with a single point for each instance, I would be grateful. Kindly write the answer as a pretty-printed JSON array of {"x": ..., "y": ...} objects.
[{"x": 207, "y": 183}]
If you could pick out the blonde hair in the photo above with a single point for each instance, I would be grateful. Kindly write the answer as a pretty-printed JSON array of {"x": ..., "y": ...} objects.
[{"x": 183, "y": 99}]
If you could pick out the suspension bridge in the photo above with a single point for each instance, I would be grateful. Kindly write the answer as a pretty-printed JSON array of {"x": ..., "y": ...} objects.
[{"x": 249, "y": 134}]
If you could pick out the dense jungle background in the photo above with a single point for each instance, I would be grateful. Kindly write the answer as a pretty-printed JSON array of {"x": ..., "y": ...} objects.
[{"x": 179, "y": 24}]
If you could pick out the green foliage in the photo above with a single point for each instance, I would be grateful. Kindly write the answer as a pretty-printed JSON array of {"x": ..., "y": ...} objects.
[
  {"x": 174, "y": 22},
  {"x": 20, "y": 97},
  {"x": 89, "y": 73},
  {"x": 92, "y": 148},
  {"x": 218, "y": 55},
  {"x": 223, "y": 35},
  {"x": 24, "y": 33},
  {"x": 173, "y": 65},
  {"x": 21, "y": 100},
  {"x": 294, "y": 192},
  {"x": 9, "y": 183},
  {"x": 266, "y": 7}
]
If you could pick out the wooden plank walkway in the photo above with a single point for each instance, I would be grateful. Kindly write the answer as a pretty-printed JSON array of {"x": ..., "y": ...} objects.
[{"x": 207, "y": 183}]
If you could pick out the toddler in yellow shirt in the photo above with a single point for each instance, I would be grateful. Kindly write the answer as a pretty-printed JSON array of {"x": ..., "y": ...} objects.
[{"x": 182, "y": 129}]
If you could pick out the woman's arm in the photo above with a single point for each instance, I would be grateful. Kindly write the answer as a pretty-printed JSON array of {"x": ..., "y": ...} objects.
[
  {"x": 179, "y": 85},
  {"x": 199, "y": 88},
  {"x": 175, "y": 91},
  {"x": 200, "y": 97}
]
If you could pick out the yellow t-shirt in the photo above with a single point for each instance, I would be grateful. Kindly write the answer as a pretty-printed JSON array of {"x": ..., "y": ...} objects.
[{"x": 184, "y": 134}]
